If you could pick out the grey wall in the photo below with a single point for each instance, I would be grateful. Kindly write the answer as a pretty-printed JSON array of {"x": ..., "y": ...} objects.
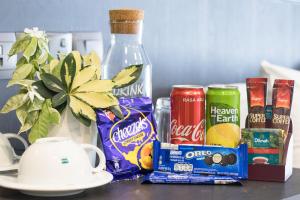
[{"x": 188, "y": 41}]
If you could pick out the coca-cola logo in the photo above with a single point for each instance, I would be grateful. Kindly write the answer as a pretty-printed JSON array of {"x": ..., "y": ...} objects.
[{"x": 188, "y": 132}]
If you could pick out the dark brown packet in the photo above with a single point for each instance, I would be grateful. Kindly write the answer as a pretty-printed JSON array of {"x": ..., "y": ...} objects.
[
  {"x": 282, "y": 103},
  {"x": 256, "y": 95}
]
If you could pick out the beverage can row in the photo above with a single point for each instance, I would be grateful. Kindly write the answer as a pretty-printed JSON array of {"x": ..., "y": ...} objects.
[{"x": 217, "y": 112}]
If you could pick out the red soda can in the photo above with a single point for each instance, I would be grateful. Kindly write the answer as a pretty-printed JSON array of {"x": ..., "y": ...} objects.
[{"x": 187, "y": 114}]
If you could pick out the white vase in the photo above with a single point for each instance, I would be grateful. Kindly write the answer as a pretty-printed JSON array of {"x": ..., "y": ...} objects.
[{"x": 70, "y": 127}]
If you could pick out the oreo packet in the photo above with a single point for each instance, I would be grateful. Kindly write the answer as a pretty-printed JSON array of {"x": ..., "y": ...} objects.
[
  {"x": 196, "y": 179},
  {"x": 200, "y": 159},
  {"x": 127, "y": 142}
]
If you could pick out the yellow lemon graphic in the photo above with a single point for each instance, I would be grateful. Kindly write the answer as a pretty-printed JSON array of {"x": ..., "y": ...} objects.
[{"x": 226, "y": 134}]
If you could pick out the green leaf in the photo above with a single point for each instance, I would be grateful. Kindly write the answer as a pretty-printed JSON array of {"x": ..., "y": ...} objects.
[
  {"x": 83, "y": 76},
  {"x": 92, "y": 59},
  {"x": 50, "y": 58},
  {"x": 61, "y": 56},
  {"x": 127, "y": 76},
  {"x": 40, "y": 57},
  {"x": 43, "y": 90},
  {"x": 43, "y": 45},
  {"x": 54, "y": 117},
  {"x": 21, "y": 61},
  {"x": 19, "y": 45},
  {"x": 87, "y": 122},
  {"x": 21, "y": 115},
  {"x": 55, "y": 67},
  {"x": 45, "y": 69},
  {"x": 98, "y": 100},
  {"x": 25, "y": 82},
  {"x": 59, "y": 99},
  {"x": 35, "y": 105},
  {"x": 22, "y": 112},
  {"x": 68, "y": 70},
  {"x": 22, "y": 72},
  {"x": 78, "y": 61},
  {"x": 30, "y": 121},
  {"x": 98, "y": 73},
  {"x": 43, "y": 57},
  {"x": 117, "y": 111},
  {"x": 79, "y": 107},
  {"x": 34, "y": 69},
  {"x": 48, "y": 116},
  {"x": 61, "y": 107},
  {"x": 30, "y": 49},
  {"x": 14, "y": 102},
  {"x": 97, "y": 86},
  {"x": 53, "y": 64},
  {"x": 51, "y": 82},
  {"x": 42, "y": 52}
]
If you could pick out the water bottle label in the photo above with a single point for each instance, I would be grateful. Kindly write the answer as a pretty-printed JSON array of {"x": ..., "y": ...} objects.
[{"x": 133, "y": 90}]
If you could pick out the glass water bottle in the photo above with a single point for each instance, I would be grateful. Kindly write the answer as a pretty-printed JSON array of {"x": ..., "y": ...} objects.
[{"x": 127, "y": 49}]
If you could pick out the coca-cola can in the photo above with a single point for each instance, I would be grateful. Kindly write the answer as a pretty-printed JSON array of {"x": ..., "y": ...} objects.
[{"x": 187, "y": 114}]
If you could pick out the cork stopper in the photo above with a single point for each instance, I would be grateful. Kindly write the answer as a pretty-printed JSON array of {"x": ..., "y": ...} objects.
[{"x": 126, "y": 21}]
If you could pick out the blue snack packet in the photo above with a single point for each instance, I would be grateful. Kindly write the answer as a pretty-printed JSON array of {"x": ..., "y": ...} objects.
[
  {"x": 197, "y": 179},
  {"x": 198, "y": 159},
  {"x": 127, "y": 142}
]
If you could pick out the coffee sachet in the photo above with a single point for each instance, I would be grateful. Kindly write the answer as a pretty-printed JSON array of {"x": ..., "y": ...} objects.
[
  {"x": 256, "y": 93},
  {"x": 282, "y": 103}
]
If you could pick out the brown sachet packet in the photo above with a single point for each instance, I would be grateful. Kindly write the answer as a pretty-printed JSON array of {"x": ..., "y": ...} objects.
[
  {"x": 282, "y": 103},
  {"x": 257, "y": 95}
]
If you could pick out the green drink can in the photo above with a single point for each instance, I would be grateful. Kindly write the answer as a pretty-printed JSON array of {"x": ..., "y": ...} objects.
[{"x": 223, "y": 116}]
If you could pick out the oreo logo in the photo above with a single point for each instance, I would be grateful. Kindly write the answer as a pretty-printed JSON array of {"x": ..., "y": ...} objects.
[{"x": 193, "y": 154}]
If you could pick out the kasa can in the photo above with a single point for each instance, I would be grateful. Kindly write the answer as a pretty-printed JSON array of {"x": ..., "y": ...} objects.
[
  {"x": 187, "y": 114},
  {"x": 223, "y": 116}
]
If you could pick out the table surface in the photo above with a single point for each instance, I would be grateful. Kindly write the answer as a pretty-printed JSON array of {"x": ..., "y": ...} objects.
[{"x": 131, "y": 190}]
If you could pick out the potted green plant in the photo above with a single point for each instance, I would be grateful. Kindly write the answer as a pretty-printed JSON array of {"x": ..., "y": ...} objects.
[{"x": 58, "y": 97}]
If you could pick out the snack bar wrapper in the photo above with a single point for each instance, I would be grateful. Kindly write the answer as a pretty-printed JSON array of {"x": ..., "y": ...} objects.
[
  {"x": 197, "y": 159},
  {"x": 196, "y": 179},
  {"x": 127, "y": 142}
]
